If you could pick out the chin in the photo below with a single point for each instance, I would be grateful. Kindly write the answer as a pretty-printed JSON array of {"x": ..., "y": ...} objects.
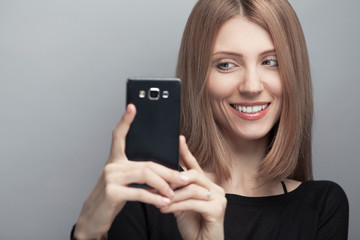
[{"x": 253, "y": 134}]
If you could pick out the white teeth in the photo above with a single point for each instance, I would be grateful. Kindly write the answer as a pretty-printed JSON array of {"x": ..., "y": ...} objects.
[{"x": 252, "y": 109}]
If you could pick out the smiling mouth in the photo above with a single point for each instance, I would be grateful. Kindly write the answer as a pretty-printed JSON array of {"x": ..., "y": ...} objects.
[{"x": 250, "y": 109}]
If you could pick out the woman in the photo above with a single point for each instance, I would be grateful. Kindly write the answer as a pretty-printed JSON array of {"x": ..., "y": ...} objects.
[{"x": 247, "y": 116}]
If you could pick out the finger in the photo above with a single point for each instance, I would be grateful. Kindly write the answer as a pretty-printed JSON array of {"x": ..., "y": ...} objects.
[
  {"x": 140, "y": 194},
  {"x": 150, "y": 178},
  {"x": 120, "y": 131},
  {"x": 192, "y": 191},
  {"x": 153, "y": 174},
  {"x": 186, "y": 156},
  {"x": 199, "y": 178},
  {"x": 171, "y": 176},
  {"x": 210, "y": 210},
  {"x": 195, "y": 177}
]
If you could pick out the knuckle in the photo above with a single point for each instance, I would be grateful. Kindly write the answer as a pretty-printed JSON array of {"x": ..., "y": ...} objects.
[
  {"x": 164, "y": 186},
  {"x": 221, "y": 191},
  {"x": 225, "y": 203},
  {"x": 222, "y": 204},
  {"x": 112, "y": 167},
  {"x": 108, "y": 170},
  {"x": 109, "y": 191},
  {"x": 194, "y": 189},
  {"x": 193, "y": 172},
  {"x": 219, "y": 209},
  {"x": 108, "y": 179},
  {"x": 139, "y": 194},
  {"x": 111, "y": 172},
  {"x": 149, "y": 165},
  {"x": 175, "y": 175},
  {"x": 145, "y": 171}
]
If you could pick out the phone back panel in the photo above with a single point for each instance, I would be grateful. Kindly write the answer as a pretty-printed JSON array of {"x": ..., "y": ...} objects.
[{"x": 154, "y": 133}]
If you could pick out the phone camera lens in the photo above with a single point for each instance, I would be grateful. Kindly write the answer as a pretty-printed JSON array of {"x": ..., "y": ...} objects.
[{"x": 154, "y": 93}]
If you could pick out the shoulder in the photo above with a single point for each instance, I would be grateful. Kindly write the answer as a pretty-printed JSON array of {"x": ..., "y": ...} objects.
[
  {"x": 331, "y": 204},
  {"x": 320, "y": 187},
  {"x": 317, "y": 192},
  {"x": 327, "y": 197},
  {"x": 327, "y": 189}
]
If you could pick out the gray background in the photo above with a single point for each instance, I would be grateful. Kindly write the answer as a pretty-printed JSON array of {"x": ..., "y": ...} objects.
[{"x": 63, "y": 66}]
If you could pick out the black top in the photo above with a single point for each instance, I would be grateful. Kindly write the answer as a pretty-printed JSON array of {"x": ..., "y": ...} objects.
[{"x": 315, "y": 210}]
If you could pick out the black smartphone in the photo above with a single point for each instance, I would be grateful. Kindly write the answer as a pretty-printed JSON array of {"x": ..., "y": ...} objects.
[{"x": 154, "y": 133}]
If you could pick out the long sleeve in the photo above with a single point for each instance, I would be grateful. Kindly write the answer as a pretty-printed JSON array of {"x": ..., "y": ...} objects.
[
  {"x": 334, "y": 216},
  {"x": 131, "y": 223},
  {"x": 145, "y": 222}
]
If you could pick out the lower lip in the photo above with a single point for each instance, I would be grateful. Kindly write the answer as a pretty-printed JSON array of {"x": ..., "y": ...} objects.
[{"x": 251, "y": 116}]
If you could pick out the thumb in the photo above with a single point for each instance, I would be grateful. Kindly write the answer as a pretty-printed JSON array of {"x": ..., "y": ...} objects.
[
  {"x": 186, "y": 156},
  {"x": 121, "y": 130}
]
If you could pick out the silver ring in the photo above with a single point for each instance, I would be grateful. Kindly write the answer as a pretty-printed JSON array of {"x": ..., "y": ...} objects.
[{"x": 208, "y": 195}]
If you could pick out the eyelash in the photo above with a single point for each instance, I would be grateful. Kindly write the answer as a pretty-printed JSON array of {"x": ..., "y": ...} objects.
[
  {"x": 274, "y": 65},
  {"x": 220, "y": 65},
  {"x": 270, "y": 62}
]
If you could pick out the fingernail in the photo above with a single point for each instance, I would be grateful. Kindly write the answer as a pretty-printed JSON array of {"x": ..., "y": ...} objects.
[
  {"x": 128, "y": 109},
  {"x": 171, "y": 192},
  {"x": 166, "y": 200},
  {"x": 184, "y": 178}
]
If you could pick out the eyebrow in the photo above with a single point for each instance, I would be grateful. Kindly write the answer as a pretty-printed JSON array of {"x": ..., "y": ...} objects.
[{"x": 266, "y": 52}]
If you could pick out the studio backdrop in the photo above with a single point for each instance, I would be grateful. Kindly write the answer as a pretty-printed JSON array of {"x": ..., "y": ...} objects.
[{"x": 63, "y": 69}]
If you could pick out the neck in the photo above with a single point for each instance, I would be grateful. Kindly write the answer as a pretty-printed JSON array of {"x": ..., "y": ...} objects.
[{"x": 248, "y": 155}]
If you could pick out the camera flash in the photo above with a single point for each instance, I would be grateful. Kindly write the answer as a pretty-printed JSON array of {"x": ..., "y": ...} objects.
[
  {"x": 142, "y": 94},
  {"x": 165, "y": 94}
]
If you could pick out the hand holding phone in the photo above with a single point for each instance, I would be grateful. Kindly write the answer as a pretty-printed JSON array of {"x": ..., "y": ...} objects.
[{"x": 114, "y": 189}]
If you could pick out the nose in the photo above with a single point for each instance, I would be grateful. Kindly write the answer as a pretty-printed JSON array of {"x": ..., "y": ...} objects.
[{"x": 251, "y": 83}]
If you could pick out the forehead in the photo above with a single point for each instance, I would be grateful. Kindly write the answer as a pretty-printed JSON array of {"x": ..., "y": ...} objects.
[{"x": 240, "y": 35}]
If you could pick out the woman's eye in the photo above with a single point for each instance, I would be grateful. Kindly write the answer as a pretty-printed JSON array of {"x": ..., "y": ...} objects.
[
  {"x": 271, "y": 63},
  {"x": 225, "y": 66}
]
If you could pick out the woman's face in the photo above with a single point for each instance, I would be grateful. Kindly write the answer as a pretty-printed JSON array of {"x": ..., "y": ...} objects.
[{"x": 244, "y": 82}]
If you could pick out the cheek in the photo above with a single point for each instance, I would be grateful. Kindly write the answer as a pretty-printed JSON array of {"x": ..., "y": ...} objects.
[
  {"x": 275, "y": 89},
  {"x": 220, "y": 86},
  {"x": 273, "y": 84},
  {"x": 278, "y": 89}
]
